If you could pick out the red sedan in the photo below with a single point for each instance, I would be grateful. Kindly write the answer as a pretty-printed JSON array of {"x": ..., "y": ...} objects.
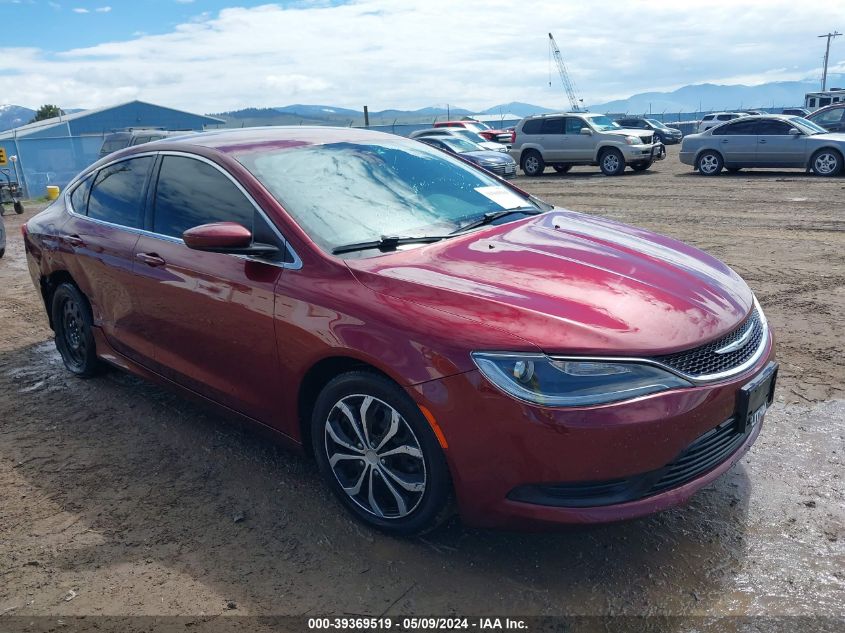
[{"x": 426, "y": 330}]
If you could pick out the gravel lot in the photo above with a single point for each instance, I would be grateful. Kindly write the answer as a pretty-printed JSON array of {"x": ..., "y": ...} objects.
[{"x": 120, "y": 498}]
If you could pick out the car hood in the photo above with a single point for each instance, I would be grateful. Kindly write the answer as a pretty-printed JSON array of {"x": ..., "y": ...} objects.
[
  {"x": 567, "y": 282},
  {"x": 630, "y": 132},
  {"x": 489, "y": 156}
]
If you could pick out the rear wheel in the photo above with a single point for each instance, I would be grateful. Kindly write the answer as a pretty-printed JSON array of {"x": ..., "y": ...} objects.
[
  {"x": 532, "y": 163},
  {"x": 642, "y": 166},
  {"x": 2, "y": 252},
  {"x": 826, "y": 162},
  {"x": 709, "y": 163},
  {"x": 72, "y": 322},
  {"x": 378, "y": 454},
  {"x": 612, "y": 162},
  {"x": 18, "y": 207},
  {"x": 562, "y": 169}
]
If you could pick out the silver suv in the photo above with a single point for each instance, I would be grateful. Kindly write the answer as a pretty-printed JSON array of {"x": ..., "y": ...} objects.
[{"x": 582, "y": 138}]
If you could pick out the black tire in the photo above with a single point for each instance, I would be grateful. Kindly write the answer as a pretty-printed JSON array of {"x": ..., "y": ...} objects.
[
  {"x": 2, "y": 252},
  {"x": 562, "y": 169},
  {"x": 611, "y": 162},
  {"x": 333, "y": 434},
  {"x": 18, "y": 208},
  {"x": 72, "y": 321},
  {"x": 532, "y": 163},
  {"x": 709, "y": 163},
  {"x": 642, "y": 166},
  {"x": 826, "y": 162}
]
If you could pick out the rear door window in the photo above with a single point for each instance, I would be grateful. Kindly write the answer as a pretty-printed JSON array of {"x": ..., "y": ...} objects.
[
  {"x": 117, "y": 194},
  {"x": 831, "y": 116},
  {"x": 552, "y": 126},
  {"x": 79, "y": 196},
  {"x": 740, "y": 128}
]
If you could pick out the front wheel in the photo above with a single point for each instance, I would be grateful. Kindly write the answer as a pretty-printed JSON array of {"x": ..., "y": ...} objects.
[
  {"x": 72, "y": 322},
  {"x": 826, "y": 162},
  {"x": 709, "y": 163},
  {"x": 532, "y": 163},
  {"x": 611, "y": 162},
  {"x": 378, "y": 454}
]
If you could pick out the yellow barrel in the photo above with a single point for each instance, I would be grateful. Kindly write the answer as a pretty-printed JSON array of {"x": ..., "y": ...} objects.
[{"x": 52, "y": 192}]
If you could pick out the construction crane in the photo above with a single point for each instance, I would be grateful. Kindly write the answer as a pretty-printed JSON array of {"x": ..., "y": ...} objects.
[{"x": 564, "y": 76}]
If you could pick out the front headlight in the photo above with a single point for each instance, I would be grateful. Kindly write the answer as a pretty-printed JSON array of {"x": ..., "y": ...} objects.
[
  {"x": 633, "y": 140},
  {"x": 542, "y": 380}
]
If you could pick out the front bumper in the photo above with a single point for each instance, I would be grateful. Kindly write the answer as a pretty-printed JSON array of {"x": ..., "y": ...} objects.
[
  {"x": 498, "y": 448},
  {"x": 639, "y": 153}
]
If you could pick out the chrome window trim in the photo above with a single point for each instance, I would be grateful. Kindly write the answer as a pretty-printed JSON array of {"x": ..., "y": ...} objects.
[{"x": 296, "y": 264}]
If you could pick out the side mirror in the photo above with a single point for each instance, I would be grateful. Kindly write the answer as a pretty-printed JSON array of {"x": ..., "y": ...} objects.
[
  {"x": 586, "y": 131},
  {"x": 225, "y": 237},
  {"x": 794, "y": 131}
]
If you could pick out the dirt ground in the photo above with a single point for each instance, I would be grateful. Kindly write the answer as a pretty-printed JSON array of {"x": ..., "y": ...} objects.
[{"x": 120, "y": 498}]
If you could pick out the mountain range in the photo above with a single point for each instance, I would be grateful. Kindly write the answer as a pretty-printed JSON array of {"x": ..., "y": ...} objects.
[{"x": 692, "y": 98}]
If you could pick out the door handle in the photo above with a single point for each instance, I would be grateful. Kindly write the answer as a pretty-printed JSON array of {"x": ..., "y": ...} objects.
[
  {"x": 724, "y": 140},
  {"x": 761, "y": 141},
  {"x": 150, "y": 259},
  {"x": 74, "y": 240}
]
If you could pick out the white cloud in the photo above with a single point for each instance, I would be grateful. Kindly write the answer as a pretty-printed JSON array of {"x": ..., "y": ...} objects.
[
  {"x": 80, "y": 10},
  {"x": 184, "y": 1},
  {"x": 102, "y": 9},
  {"x": 397, "y": 53}
]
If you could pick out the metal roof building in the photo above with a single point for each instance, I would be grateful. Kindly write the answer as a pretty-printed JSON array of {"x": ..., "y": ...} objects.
[{"x": 54, "y": 150}]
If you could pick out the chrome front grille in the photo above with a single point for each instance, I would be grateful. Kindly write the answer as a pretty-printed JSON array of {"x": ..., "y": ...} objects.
[{"x": 728, "y": 355}]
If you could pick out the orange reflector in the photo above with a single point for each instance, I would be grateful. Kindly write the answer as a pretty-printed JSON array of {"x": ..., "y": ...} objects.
[{"x": 438, "y": 432}]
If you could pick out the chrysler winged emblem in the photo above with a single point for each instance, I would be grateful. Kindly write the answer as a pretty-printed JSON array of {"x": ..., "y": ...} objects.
[{"x": 737, "y": 344}]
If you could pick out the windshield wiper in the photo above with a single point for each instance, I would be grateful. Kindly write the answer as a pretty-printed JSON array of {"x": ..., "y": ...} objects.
[
  {"x": 387, "y": 243},
  {"x": 489, "y": 218}
]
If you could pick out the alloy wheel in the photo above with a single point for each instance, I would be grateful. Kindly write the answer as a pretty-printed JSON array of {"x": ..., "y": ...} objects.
[
  {"x": 610, "y": 162},
  {"x": 708, "y": 164},
  {"x": 531, "y": 165},
  {"x": 826, "y": 163},
  {"x": 375, "y": 456}
]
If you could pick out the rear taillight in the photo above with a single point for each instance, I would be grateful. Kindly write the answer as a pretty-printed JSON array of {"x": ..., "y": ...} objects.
[
  {"x": 513, "y": 137},
  {"x": 24, "y": 230}
]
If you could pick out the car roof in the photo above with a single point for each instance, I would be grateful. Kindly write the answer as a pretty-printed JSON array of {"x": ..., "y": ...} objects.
[{"x": 232, "y": 141}]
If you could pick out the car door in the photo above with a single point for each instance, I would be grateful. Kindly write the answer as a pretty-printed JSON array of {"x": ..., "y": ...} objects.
[
  {"x": 553, "y": 139},
  {"x": 209, "y": 315},
  {"x": 737, "y": 142},
  {"x": 105, "y": 215},
  {"x": 579, "y": 147},
  {"x": 776, "y": 147}
]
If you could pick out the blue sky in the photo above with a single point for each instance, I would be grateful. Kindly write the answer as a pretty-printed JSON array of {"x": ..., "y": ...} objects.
[
  {"x": 62, "y": 24},
  {"x": 217, "y": 55}
]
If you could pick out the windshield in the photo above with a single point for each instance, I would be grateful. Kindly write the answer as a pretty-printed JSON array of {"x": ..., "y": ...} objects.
[
  {"x": 478, "y": 125},
  {"x": 470, "y": 135},
  {"x": 603, "y": 123},
  {"x": 342, "y": 193},
  {"x": 807, "y": 126},
  {"x": 657, "y": 124},
  {"x": 458, "y": 145}
]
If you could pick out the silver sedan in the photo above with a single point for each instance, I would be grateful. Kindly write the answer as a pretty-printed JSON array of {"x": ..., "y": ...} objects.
[{"x": 765, "y": 141}]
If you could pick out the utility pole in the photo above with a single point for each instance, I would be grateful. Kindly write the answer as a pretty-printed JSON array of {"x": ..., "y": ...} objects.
[{"x": 829, "y": 37}]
